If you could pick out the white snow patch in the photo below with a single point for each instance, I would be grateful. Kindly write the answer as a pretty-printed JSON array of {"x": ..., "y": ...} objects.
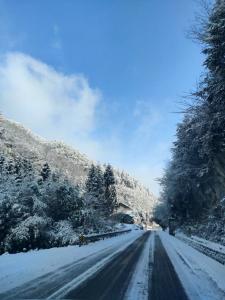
[
  {"x": 214, "y": 246},
  {"x": 201, "y": 276},
  {"x": 138, "y": 288}
]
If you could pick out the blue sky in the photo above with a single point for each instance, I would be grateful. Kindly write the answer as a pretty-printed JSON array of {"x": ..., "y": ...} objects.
[{"x": 130, "y": 63}]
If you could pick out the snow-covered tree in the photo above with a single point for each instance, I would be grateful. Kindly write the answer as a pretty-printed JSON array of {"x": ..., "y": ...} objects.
[
  {"x": 95, "y": 187},
  {"x": 110, "y": 191},
  {"x": 62, "y": 200},
  {"x": 31, "y": 191},
  {"x": 194, "y": 181}
]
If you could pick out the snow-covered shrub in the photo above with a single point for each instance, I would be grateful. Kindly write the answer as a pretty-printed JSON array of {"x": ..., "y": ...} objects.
[
  {"x": 29, "y": 234},
  {"x": 93, "y": 222},
  {"x": 11, "y": 214},
  {"x": 39, "y": 207},
  {"x": 63, "y": 234},
  {"x": 18, "y": 239}
]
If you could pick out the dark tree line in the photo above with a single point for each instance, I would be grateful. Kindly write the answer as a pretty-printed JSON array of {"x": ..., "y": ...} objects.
[{"x": 194, "y": 181}]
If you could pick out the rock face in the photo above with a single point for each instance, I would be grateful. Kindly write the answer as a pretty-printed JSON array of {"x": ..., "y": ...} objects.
[{"x": 15, "y": 140}]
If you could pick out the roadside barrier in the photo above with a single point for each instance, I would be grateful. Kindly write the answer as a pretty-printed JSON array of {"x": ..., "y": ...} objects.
[{"x": 102, "y": 236}]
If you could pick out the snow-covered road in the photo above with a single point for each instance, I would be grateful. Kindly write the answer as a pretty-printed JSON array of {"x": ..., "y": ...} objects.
[
  {"x": 132, "y": 266},
  {"x": 36, "y": 266}
]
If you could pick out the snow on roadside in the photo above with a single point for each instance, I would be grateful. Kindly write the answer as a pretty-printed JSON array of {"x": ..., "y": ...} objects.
[
  {"x": 214, "y": 246},
  {"x": 16, "y": 269},
  {"x": 213, "y": 250},
  {"x": 138, "y": 288},
  {"x": 201, "y": 276},
  {"x": 209, "y": 244}
]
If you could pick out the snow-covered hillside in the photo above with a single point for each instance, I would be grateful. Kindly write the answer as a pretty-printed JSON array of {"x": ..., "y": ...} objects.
[{"x": 18, "y": 141}]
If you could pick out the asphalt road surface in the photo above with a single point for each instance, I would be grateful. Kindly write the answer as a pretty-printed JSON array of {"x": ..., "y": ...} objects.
[
  {"x": 44, "y": 286},
  {"x": 112, "y": 279},
  {"x": 165, "y": 284}
]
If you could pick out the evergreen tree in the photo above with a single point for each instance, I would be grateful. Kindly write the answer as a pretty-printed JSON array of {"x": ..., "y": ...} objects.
[
  {"x": 100, "y": 189},
  {"x": 62, "y": 201},
  {"x": 95, "y": 187},
  {"x": 195, "y": 179},
  {"x": 5, "y": 220},
  {"x": 90, "y": 182},
  {"x": 110, "y": 191},
  {"x": 109, "y": 178}
]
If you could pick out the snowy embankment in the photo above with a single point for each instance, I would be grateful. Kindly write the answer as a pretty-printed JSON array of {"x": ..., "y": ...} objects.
[
  {"x": 211, "y": 249},
  {"x": 214, "y": 246},
  {"x": 16, "y": 269},
  {"x": 201, "y": 276}
]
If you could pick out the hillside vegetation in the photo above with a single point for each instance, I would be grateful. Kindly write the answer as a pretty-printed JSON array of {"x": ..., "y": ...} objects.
[{"x": 50, "y": 193}]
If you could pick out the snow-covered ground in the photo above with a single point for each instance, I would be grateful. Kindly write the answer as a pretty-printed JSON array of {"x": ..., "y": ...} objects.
[
  {"x": 214, "y": 246},
  {"x": 202, "y": 277},
  {"x": 16, "y": 269},
  {"x": 138, "y": 288},
  {"x": 211, "y": 249}
]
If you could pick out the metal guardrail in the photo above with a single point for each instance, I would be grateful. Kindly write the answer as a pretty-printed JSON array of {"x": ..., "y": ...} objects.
[
  {"x": 214, "y": 254},
  {"x": 97, "y": 237}
]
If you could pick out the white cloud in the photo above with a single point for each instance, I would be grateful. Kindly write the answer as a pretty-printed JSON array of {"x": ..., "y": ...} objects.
[
  {"x": 55, "y": 105},
  {"x": 65, "y": 107},
  {"x": 151, "y": 141}
]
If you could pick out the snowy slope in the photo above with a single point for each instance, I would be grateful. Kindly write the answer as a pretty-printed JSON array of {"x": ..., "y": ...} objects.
[
  {"x": 202, "y": 277},
  {"x": 211, "y": 249},
  {"x": 16, "y": 140}
]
